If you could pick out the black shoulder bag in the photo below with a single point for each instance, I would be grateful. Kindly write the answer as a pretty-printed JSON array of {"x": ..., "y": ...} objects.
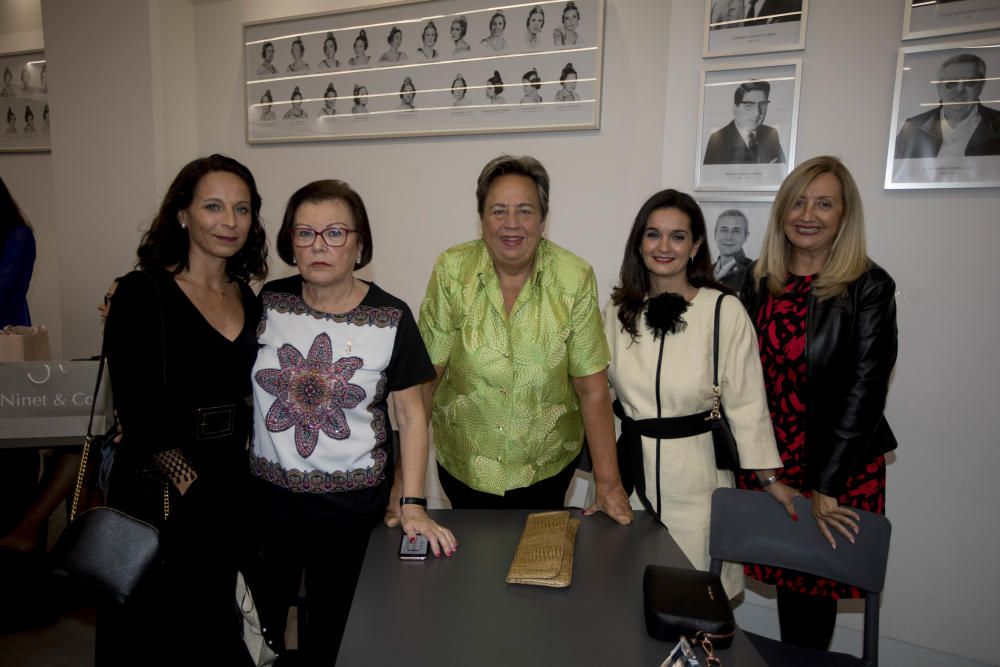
[
  {"x": 727, "y": 455},
  {"x": 104, "y": 548}
]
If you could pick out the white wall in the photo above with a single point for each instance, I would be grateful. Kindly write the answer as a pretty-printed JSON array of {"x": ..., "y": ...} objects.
[{"x": 942, "y": 587}]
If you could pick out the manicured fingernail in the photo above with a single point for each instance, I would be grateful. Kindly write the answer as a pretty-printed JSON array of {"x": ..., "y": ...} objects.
[
  {"x": 412, "y": 540},
  {"x": 795, "y": 517}
]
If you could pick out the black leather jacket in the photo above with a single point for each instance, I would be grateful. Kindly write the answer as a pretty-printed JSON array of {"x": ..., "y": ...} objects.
[{"x": 850, "y": 353}]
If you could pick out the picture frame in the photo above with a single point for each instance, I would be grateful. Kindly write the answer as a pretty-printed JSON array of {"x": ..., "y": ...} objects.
[
  {"x": 780, "y": 25},
  {"x": 727, "y": 157},
  {"x": 723, "y": 225},
  {"x": 430, "y": 67},
  {"x": 24, "y": 102},
  {"x": 934, "y": 18},
  {"x": 926, "y": 148}
]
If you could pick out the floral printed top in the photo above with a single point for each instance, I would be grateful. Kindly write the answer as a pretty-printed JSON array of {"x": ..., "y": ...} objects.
[{"x": 320, "y": 385}]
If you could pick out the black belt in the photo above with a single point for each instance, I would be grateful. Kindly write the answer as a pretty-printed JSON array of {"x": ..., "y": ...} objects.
[
  {"x": 665, "y": 428},
  {"x": 630, "y": 444},
  {"x": 218, "y": 421}
]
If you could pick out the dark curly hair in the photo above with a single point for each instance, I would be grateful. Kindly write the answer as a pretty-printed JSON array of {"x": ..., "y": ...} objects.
[
  {"x": 634, "y": 284},
  {"x": 166, "y": 244}
]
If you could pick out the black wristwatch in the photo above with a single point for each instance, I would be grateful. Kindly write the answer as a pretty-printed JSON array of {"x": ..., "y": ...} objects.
[{"x": 407, "y": 500}]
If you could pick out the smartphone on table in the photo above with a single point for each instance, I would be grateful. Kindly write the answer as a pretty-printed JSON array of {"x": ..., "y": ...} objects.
[{"x": 415, "y": 550}]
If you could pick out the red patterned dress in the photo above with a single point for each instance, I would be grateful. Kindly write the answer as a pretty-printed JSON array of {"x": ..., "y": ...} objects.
[{"x": 781, "y": 336}]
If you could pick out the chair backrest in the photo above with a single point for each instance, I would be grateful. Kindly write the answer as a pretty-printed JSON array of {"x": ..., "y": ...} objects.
[{"x": 750, "y": 527}]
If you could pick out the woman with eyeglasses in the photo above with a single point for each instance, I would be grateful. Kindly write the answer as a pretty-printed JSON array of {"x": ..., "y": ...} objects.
[{"x": 332, "y": 348}]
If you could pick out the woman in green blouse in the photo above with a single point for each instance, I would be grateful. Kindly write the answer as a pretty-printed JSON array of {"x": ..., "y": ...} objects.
[{"x": 512, "y": 325}]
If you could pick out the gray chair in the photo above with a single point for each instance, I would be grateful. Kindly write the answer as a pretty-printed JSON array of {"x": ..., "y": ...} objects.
[{"x": 750, "y": 527}]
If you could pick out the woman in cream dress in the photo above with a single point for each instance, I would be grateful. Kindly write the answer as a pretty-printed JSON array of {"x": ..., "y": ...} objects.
[{"x": 666, "y": 287}]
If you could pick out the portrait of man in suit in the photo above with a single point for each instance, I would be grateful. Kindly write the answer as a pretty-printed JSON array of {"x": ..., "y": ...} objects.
[
  {"x": 731, "y": 232},
  {"x": 960, "y": 125},
  {"x": 743, "y": 13},
  {"x": 746, "y": 140}
]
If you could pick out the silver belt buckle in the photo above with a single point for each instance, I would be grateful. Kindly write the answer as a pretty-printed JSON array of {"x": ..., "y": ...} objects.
[{"x": 215, "y": 422}]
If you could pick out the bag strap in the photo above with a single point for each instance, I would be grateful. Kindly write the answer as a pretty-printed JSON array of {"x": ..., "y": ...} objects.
[
  {"x": 716, "y": 413},
  {"x": 715, "y": 342},
  {"x": 88, "y": 440},
  {"x": 163, "y": 360},
  {"x": 85, "y": 455}
]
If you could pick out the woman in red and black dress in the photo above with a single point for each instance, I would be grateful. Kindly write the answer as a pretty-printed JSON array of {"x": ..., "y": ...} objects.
[{"x": 826, "y": 324}]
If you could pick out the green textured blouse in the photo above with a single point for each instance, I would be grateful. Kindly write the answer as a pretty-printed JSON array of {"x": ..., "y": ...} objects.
[{"x": 505, "y": 413}]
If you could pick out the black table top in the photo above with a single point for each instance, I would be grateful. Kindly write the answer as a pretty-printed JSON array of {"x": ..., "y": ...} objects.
[{"x": 460, "y": 611}]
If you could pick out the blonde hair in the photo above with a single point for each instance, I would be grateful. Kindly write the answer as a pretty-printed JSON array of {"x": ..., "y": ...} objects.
[{"x": 848, "y": 257}]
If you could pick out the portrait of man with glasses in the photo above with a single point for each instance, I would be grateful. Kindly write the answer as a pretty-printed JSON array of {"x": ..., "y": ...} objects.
[
  {"x": 960, "y": 124},
  {"x": 746, "y": 139}
]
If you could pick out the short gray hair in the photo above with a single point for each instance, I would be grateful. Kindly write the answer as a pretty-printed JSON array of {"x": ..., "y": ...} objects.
[
  {"x": 733, "y": 213},
  {"x": 968, "y": 58},
  {"x": 508, "y": 165}
]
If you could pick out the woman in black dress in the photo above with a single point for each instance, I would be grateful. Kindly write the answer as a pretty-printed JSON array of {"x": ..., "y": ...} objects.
[{"x": 181, "y": 340}]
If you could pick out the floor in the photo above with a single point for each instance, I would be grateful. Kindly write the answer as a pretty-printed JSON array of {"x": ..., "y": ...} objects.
[{"x": 69, "y": 640}]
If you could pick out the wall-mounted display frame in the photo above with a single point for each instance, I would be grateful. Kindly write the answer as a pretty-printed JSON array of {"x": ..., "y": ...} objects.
[
  {"x": 945, "y": 126},
  {"x": 24, "y": 102},
  {"x": 736, "y": 227},
  {"x": 431, "y": 67},
  {"x": 933, "y": 18},
  {"x": 736, "y": 27},
  {"x": 747, "y": 123}
]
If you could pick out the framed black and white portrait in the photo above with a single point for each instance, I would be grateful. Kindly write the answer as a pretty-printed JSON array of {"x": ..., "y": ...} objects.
[
  {"x": 933, "y": 18},
  {"x": 736, "y": 227},
  {"x": 945, "y": 127},
  {"x": 24, "y": 102},
  {"x": 734, "y": 27},
  {"x": 425, "y": 68},
  {"x": 747, "y": 125}
]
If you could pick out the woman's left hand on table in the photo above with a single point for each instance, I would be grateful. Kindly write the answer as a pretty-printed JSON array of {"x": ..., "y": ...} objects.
[
  {"x": 414, "y": 520},
  {"x": 613, "y": 501}
]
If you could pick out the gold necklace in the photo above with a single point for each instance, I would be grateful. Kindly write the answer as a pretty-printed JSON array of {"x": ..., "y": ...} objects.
[{"x": 221, "y": 293}]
